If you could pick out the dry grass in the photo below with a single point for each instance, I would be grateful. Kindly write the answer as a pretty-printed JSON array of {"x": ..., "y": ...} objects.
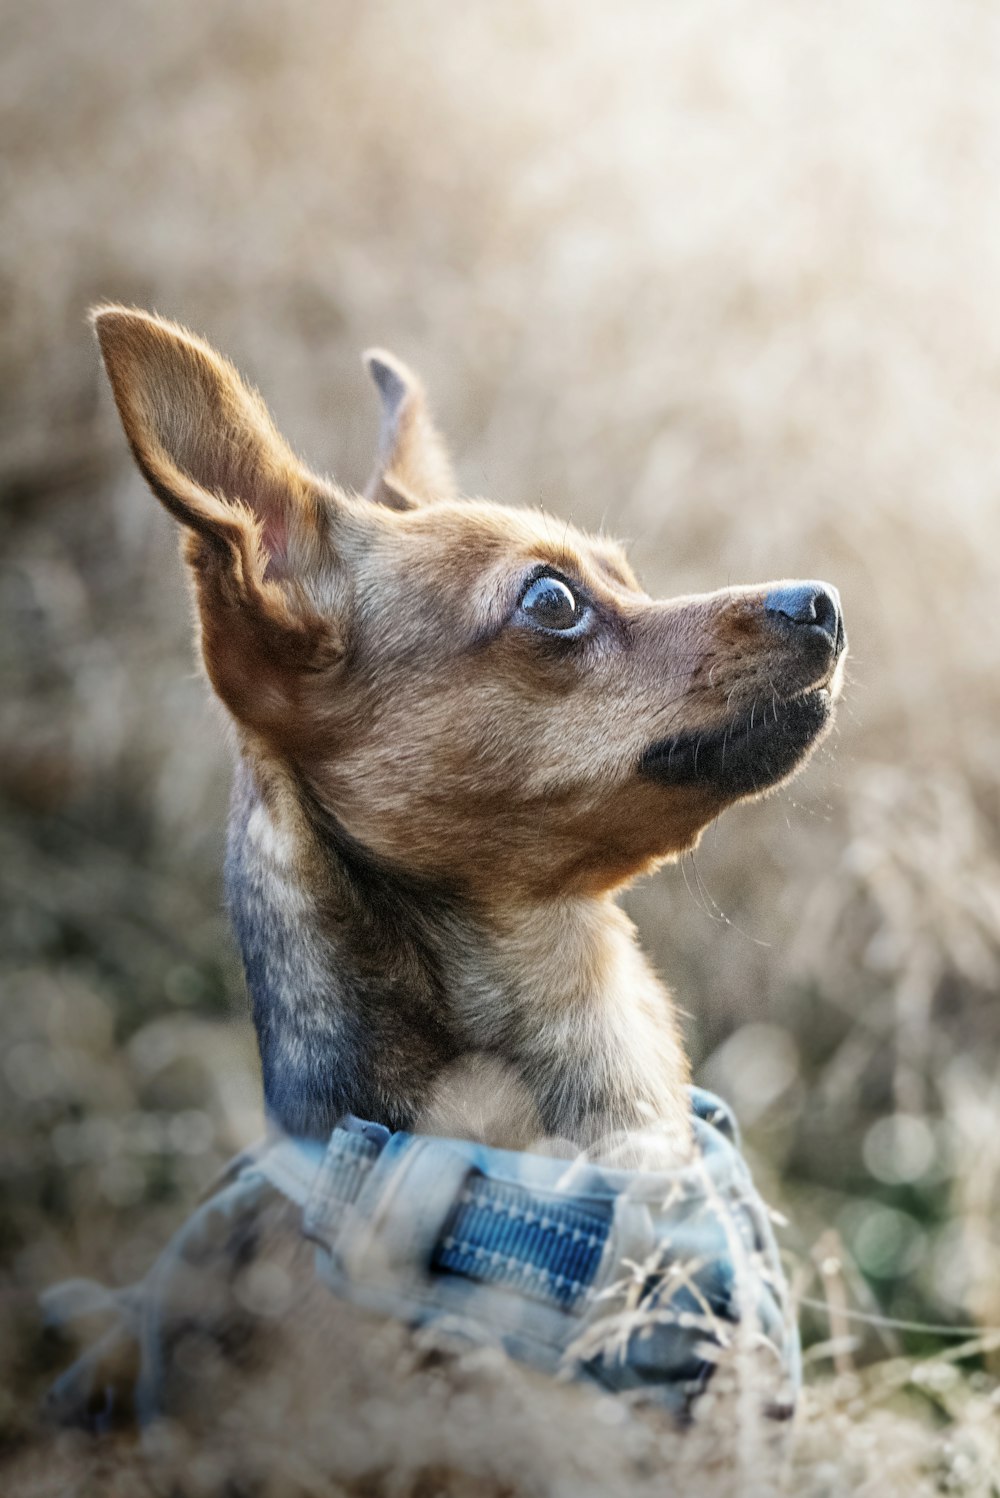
[{"x": 720, "y": 277}]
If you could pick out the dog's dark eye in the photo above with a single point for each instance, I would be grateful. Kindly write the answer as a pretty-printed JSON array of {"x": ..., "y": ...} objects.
[{"x": 548, "y": 601}]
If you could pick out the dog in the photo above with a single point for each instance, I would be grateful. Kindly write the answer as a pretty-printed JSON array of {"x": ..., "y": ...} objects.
[{"x": 461, "y": 729}]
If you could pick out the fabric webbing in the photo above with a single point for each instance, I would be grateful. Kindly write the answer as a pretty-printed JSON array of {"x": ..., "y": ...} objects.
[
  {"x": 505, "y": 1235},
  {"x": 497, "y": 1232},
  {"x": 348, "y": 1159}
]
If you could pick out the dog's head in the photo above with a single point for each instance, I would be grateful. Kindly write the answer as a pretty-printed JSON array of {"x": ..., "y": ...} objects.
[{"x": 476, "y": 694}]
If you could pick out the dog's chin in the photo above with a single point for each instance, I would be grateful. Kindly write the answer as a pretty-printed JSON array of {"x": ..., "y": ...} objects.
[{"x": 746, "y": 756}]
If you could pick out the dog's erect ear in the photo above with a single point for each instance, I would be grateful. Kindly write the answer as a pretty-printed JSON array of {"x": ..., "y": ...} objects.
[
  {"x": 253, "y": 514},
  {"x": 412, "y": 466},
  {"x": 205, "y": 441}
]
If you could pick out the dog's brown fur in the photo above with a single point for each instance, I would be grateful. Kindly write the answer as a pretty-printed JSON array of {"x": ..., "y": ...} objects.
[{"x": 436, "y": 801}]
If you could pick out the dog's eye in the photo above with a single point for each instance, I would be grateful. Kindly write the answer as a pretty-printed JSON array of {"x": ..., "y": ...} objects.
[{"x": 548, "y": 601}]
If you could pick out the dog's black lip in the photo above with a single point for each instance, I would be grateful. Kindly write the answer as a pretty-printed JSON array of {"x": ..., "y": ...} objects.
[{"x": 751, "y": 752}]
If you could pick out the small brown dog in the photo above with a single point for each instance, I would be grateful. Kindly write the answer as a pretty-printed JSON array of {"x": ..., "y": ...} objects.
[{"x": 461, "y": 729}]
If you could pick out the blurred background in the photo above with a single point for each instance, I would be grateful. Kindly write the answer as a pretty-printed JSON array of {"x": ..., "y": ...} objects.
[{"x": 722, "y": 279}]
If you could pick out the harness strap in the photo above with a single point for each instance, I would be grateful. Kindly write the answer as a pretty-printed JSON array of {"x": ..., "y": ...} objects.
[
  {"x": 298, "y": 1168},
  {"x": 504, "y": 1235},
  {"x": 497, "y": 1232}
]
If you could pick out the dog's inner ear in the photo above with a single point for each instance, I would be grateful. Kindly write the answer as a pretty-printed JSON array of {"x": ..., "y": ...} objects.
[
  {"x": 412, "y": 466},
  {"x": 255, "y": 518}
]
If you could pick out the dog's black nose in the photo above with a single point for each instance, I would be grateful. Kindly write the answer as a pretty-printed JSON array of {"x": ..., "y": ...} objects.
[{"x": 813, "y": 606}]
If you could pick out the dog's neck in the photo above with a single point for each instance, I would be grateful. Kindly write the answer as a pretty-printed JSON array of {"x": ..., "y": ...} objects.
[{"x": 377, "y": 995}]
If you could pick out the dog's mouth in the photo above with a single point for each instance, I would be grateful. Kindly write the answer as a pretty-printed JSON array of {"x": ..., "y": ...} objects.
[{"x": 754, "y": 751}]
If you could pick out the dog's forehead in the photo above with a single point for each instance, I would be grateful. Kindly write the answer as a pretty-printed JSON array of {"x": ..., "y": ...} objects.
[{"x": 479, "y": 533}]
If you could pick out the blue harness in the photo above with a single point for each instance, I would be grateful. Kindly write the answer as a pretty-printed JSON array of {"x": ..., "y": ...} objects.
[{"x": 640, "y": 1280}]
